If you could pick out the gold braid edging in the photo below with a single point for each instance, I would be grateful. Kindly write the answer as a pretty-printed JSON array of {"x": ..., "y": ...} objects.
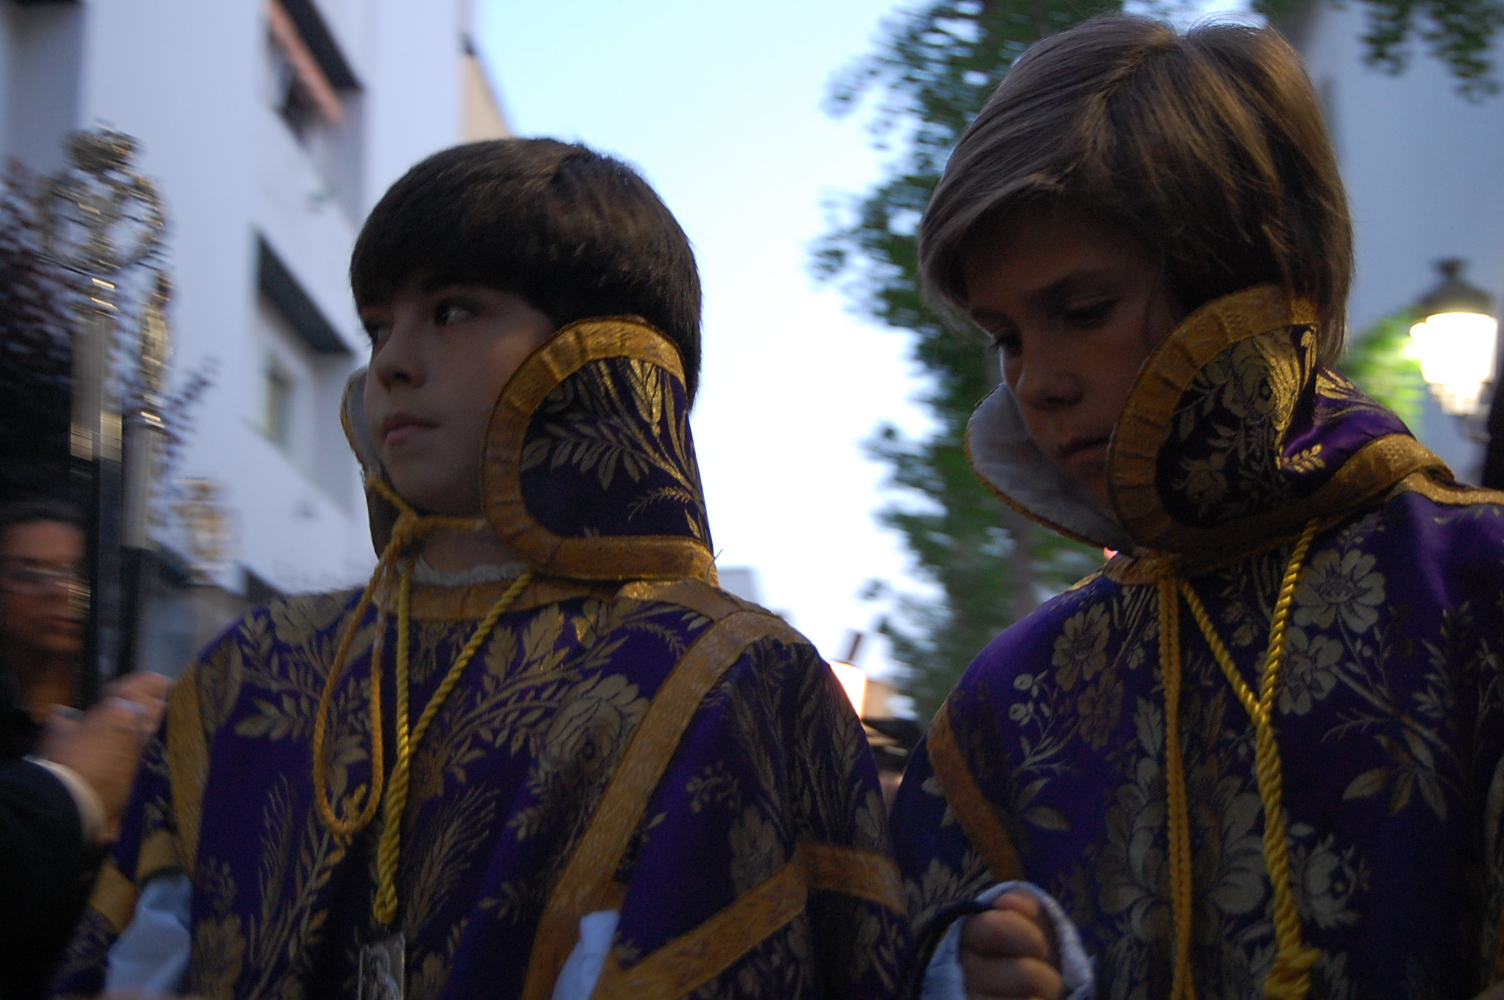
[
  {"x": 114, "y": 897},
  {"x": 978, "y": 820},
  {"x": 854, "y": 871},
  {"x": 691, "y": 960},
  {"x": 1182, "y": 986},
  {"x": 187, "y": 765},
  {"x": 586, "y": 878}
]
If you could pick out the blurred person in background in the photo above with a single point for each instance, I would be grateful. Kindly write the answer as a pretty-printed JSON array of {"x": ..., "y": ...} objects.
[
  {"x": 64, "y": 776},
  {"x": 892, "y": 740}
]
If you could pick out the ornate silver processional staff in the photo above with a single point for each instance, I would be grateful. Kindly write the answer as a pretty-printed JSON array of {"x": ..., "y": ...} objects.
[{"x": 103, "y": 223}]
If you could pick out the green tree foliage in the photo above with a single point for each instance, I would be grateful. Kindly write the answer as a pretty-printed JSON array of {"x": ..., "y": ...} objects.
[
  {"x": 1379, "y": 362},
  {"x": 932, "y": 70},
  {"x": 1458, "y": 32}
]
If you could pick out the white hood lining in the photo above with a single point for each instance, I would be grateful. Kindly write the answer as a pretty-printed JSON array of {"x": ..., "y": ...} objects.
[{"x": 1006, "y": 457}]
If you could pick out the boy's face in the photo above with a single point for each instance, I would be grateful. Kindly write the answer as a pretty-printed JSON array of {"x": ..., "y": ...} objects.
[
  {"x": 439, "y": 360},
  {"x": 1075, "y": 307}
]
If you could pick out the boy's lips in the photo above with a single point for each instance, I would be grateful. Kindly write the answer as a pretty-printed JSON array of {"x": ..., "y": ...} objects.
[
  {"x": 402, "y": 427},
  {"x": 1083, "y": 449}
]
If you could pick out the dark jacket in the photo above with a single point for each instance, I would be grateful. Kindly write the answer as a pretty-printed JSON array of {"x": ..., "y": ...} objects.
[{"x": 46, "y": 869}]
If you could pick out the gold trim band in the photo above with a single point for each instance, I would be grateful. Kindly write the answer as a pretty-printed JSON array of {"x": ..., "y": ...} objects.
[
  {"x": 114, "y": 897},
  {"x": 854, "y": 871},
  {"x": 187, "y": 763},
  {"x": 586, "y": 878},
  {"x": 694, "y": 959},
  {"x": 978, "y": 820},
  {"x": 656, "y": 557}
]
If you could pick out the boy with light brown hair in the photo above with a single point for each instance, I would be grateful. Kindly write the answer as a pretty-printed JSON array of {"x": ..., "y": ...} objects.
[{"x": 1262, "y": 750}]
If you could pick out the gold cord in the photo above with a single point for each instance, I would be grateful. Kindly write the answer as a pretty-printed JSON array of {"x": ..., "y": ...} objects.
[
  {"x": 1290, "y": 978},
  {"x": 1182, "y": 987},
  {"x": 409, "y": 529},
  {"x": 389, "y": 851}
]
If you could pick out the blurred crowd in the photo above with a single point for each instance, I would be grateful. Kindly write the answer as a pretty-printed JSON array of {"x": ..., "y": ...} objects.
[{"x": 65, "y": 773}]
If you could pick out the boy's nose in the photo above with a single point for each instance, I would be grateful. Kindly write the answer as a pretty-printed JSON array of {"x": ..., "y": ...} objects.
[
  {"x": 398, "y": 359},
  {"x": 1043, "y": 385}
]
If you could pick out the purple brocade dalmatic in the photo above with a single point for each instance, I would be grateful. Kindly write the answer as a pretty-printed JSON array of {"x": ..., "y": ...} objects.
[
  {"x": 1048, "y": 761},
  {"x": 628, "y": 738}
]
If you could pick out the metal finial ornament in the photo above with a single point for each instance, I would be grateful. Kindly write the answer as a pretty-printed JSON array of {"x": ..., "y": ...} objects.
[
  {"x": 146, "y": 427},
  {"x": 103, "y": 223},
  {"x": 99, "y": 217}
]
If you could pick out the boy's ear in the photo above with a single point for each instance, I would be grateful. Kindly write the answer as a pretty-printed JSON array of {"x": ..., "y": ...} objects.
[{"x": 352, "y": 416}]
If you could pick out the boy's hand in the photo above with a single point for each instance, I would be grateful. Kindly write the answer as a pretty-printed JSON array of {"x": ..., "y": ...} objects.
[{"x": 1010, "y": 952}]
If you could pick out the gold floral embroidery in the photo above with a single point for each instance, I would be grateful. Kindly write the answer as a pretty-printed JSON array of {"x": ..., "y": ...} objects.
[
  {"x": 1340, "y": 583},
  {"x": 1308, "y": 675},
  {"x": 578, "y": 437},
  {"x": 1081, "y": 650},
  {"x": 1306, "y": 461},
  {"x": 1328, "y": 876}
]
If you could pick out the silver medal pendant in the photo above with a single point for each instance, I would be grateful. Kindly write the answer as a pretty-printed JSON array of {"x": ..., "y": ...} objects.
[{"x": 382, "y": 972}]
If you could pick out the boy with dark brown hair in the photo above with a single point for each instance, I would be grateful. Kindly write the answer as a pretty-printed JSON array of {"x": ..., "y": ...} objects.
[{"x": 542, "y": 755}]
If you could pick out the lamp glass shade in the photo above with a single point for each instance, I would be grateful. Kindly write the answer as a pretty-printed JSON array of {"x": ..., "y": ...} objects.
[
  {"x": 853, "y": 682},
  {"x": 1456, "y": 355}
]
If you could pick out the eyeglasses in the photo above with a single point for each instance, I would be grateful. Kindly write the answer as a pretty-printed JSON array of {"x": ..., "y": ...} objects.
[{"x": 33, "y": 581}]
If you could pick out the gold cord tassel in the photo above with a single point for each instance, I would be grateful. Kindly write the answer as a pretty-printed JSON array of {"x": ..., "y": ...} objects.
[
  {"x": 1290, "y": 978},
  {"x": 1181, "y": 909}
]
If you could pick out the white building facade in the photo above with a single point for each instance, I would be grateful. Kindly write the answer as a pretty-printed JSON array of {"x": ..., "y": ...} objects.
[
  {"x": 1424, "y": 169},
  {"x": 271, "y": 128}
]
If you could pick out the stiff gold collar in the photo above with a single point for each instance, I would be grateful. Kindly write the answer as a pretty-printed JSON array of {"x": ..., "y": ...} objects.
[
  {"x": 588, "y": 471},
  {"x": 1234, "y": 436}
]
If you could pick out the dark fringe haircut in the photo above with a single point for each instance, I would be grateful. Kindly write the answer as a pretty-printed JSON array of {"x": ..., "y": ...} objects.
[
  {"x": 29, "y": 510},
  {"x": 1208, "y": 147},
  {"x": 575, "y": 233}
]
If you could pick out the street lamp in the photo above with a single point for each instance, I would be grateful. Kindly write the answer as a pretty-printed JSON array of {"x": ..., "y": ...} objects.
[{"x": 1455, "y": 343}]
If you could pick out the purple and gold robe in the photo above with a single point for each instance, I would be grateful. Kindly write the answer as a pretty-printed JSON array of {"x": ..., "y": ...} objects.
[
  {"x": 629, "y": 738},
  {"x": 1048, "y": 760}
]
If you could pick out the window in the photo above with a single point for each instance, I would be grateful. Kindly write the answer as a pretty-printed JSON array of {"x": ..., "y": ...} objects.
[
  {"x": 277, "y": 395},
  {"x": 302, "y": 91},
  {"x": 306, "y": 362},
  {"x": 313, "y": 90}
]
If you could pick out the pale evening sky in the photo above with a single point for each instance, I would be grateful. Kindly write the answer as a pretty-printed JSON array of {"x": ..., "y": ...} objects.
[{"x": 719, "y": 106}]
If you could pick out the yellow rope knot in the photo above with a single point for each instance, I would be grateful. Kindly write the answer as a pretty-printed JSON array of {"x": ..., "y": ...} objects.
[
  {"x": 1290, "y": 978},
  {"x": 409, "y": 529}
]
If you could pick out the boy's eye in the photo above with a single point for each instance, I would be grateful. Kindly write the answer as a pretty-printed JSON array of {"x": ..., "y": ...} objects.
[
  {"x": 450, "y": 311},
  {"x": 376, "y": 331},
  {"x": 1008, "y": 342},
  {"x": 1085, "y": 316}
]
